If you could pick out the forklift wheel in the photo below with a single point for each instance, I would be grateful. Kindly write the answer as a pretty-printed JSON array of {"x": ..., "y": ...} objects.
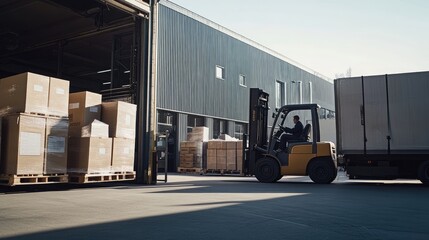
[
  {"x": 321, "y": 171},
  {"x": 423, "y": 173},
  {"x": 267, "y": 170}
]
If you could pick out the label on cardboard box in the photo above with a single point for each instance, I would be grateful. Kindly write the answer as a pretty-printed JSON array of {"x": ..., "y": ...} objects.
[
  {"x": 73, "y": 105},
  {"x": 29, "y": 144},
  {"x": 38, "y": 88},
  {"x": 126, "y": 151},
  {"x": 93, "y": 109},
  {"x": 60, "y": 91},
  {"x": 56, "y": 144},
  {"x": 102, "y": 151}
]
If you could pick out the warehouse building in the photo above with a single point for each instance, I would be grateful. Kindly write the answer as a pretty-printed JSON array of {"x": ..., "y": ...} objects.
[
  {"x": 189, "y": 72},
  {"x": 205, "y": 71}
]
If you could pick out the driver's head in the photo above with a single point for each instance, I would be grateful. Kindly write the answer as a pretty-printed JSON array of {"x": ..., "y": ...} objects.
[{"x": 295, "y": 119}]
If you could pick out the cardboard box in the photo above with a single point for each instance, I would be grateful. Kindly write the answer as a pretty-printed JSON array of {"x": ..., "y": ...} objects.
[
  {"x": 231, "y": 159},
  {"x": 89, "y": 155},
  {"x": 26, "y": 92},
  {"x": 95, "y": 129},
  {"x": 24, "y": 144},
  {"x": 56, "y": 143},
  {"x": 190, "y": 160},
  {"x": 121, "y": 117},
  {"x": 221, "y": 159},
  {"x": 211, "y": 152},
  {"x": 240, "y": 160},
  {"x": 211, "y": 163},
  {"x": 215, "y": 144},
  {"x": 58, "y": 100},
  {"x": 198, "y": 134},
  {"x": 192, "y": 147},
  {"x": 123, "y": 155},
  {"x": 84, "y": 107},
  {"x": 240, "y": 144},
  {"x": 211, "y": 159},
  {"x": 231, "y": 145},
  {"x": 187, "y": 157}
]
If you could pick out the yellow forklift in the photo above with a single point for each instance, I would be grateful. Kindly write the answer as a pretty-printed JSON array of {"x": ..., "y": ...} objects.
[{"x": 268, "y": 161}]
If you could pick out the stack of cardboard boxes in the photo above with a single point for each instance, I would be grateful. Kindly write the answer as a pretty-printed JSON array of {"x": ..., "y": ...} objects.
[
  {"x": 191, "y": 154},
  {"x": 102, "y": 135},
  {"x": 192, "y": 150},
  {"x": 121, "y": 118},
  {"x": 45, "y": 130},
  {"x": 90, "y": 146},
  {"x": 224, "y": 155},
  {"x": 35, "y": 125}
]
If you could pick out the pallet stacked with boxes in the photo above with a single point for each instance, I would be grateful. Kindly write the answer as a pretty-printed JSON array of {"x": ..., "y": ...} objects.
[
  {"x": 121, "y": 117},
  {"x": 34, "y": 132},
  {"x": 89, "y": 143},
  {"x": 192, "y": 151},
  {"x": 51, "y": 136},
  {"x": 101, "y": 144},
  {"x": 224, "y": 156},
  {"x": 191, "y": 154}
]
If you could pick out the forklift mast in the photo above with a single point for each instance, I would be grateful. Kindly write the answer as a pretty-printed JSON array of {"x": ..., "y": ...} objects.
[{"x": 258, "y": 126}]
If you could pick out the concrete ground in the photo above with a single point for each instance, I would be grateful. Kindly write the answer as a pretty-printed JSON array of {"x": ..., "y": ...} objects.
[{"x": 218, "y": 207}]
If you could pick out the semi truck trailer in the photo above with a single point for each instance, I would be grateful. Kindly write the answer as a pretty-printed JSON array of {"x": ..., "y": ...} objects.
[{"x": 381, "y": 124}]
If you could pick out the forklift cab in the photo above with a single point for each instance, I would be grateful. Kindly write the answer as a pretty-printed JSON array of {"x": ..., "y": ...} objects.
[
  {"x": 283, "y": 118},
  {"x": 269, "y": 161}
]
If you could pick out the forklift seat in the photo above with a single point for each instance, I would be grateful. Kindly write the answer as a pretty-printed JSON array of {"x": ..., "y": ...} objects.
[{"x": 305, "y": 136}]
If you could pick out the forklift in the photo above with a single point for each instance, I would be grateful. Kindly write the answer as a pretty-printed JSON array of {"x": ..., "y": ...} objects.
[{"x": 268, "y": 161}]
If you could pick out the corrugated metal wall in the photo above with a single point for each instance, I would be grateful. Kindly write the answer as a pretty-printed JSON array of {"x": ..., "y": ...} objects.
[{"x": 188, "y": 53}]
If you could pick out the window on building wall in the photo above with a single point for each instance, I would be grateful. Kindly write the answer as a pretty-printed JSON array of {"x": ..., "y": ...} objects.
[
  {"x": 242, "y": 80},
  {"x": 194, "y": 121},
  {"x": 296, "y": 92},
  {"x": 165, "y": 121},
  {"x": 219, "y": 127},
  {"x": 220, "y": 72},
  {"x": 240, "y": 129},
  {"x": 310, "y": 89},
  {"x": 280, "y": 94}
]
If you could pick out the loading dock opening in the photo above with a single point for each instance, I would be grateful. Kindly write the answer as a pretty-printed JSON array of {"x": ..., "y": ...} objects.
[{"x": 99, "y": 46}]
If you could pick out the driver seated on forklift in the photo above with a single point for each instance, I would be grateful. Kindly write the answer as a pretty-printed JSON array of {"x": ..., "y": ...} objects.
[{"x": 291, "y": 133}]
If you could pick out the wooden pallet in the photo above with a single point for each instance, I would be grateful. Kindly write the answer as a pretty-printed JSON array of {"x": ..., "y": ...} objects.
[
  {"x": 215, "y": 171},
  {"x": 28, "y": 179},
  {"x": 190, "y": 170},
  {"x": 101, "y": 177},
  {"x": 223, "y": 171}
]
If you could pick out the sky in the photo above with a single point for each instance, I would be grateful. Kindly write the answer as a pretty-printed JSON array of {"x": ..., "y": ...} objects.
[{"x": 369, "y": 37}]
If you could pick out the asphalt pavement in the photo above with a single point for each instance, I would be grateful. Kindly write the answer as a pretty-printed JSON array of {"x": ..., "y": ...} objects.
[{"x": 218, "y": 207}]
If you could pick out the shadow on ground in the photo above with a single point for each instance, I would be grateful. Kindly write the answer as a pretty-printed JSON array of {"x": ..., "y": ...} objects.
[{"x": 306, "y": 211}]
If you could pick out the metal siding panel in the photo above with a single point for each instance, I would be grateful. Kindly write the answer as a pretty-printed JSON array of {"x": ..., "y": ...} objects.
[
  {"x": 231, "y": 128},
  {"x": 188, "y": 52},
  {"x": 182, "y": 123}
]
